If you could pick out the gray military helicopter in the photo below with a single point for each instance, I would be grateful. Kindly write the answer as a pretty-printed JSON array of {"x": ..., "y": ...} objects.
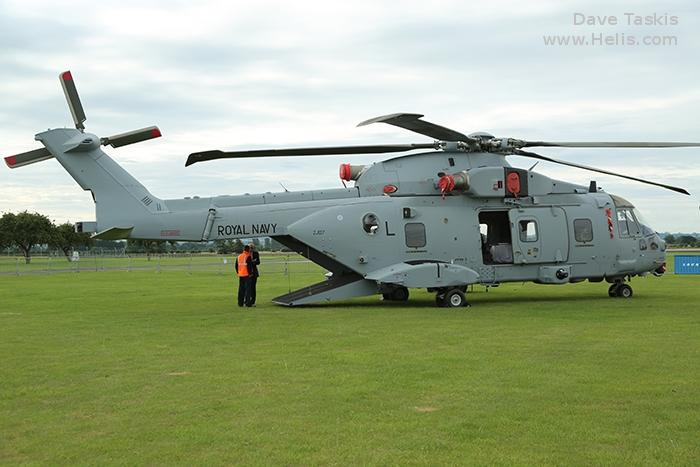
[{"x": 444, "y": 219}]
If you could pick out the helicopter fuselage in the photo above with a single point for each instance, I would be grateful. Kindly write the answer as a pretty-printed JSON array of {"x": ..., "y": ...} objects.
[{"x": 398, "y": 227}]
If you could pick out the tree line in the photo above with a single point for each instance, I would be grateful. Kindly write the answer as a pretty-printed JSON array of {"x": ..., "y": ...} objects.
[
  {"x": 26, "y": 230},
  {"x": 682, "y": 240}
]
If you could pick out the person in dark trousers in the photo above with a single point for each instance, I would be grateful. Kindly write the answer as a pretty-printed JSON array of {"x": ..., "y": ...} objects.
[
  {"x": 254, "y": 273},
  {"x": 244, "y": 266}
]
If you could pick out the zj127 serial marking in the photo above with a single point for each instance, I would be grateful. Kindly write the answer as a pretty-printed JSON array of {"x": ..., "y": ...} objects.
[{"x": 246, "y": 229}]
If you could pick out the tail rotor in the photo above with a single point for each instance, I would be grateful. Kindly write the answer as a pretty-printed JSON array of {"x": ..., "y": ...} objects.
[{"x": 79, "y": 118}]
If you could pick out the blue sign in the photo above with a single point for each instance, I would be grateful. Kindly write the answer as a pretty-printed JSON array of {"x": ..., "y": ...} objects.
[{"x": 687, "y": 264}]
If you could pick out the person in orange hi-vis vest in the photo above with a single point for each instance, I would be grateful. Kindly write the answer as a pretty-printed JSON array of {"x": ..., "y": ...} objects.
[{"x": 244, "y": 269}]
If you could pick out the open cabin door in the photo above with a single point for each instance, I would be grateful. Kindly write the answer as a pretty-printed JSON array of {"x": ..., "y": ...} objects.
[{"x": 540, "y": 235}]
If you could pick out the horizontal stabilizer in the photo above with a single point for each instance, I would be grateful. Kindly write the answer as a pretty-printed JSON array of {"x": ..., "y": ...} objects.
[
  {"x": 27, "y": 158},
  {"x": 114, "y": 233}
]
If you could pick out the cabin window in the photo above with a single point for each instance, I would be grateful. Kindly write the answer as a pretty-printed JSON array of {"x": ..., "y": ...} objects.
[
  {"x": 626, "y": 223},
  {"x": 528, "y": 231},
  {"x": 583, "y": 230},
  {"x": 370, "y": 223},
  {"x": 415, "y": 234}
]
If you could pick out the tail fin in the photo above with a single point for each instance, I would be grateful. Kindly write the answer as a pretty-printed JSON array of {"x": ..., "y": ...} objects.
[{"x": 120, "y": 200}]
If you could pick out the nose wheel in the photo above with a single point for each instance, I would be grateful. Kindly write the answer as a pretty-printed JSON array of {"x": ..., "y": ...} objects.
[{"x": 620, "y": 290}]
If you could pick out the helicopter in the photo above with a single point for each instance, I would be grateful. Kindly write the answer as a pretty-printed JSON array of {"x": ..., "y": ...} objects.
[{"x": 452, "y": 215}]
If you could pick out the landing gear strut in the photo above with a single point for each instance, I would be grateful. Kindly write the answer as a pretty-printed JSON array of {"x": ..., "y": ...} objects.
[
  {"x": 451, "y": 298},
  {"x": 620, "y": 289}
]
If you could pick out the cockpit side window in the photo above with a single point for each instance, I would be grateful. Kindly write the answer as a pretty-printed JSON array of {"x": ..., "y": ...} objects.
[
  {"x": 626, "y": 223},
  {"x": 622, "y": 223}
]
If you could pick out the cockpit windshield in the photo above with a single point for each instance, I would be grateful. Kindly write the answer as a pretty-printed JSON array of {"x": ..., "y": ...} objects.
[
  {"x": 629, "y": 220},
  {"x": 643, "y": 223}
]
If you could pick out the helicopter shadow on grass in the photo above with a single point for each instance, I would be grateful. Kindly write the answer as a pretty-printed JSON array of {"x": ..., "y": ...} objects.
[{"x": 480, "y": 302}]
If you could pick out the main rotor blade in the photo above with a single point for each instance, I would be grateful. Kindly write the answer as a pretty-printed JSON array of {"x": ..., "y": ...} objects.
[
  {"x": 322, "y": 151},
  {"x": 29, "y": 157},
  {"x": 76, "y": 108},
  {"x": 413, "y": 123},
  {"x": 608, "y": 144},
  {"x": 131, "y": 137},
  {"x": 593, "y": 169}
]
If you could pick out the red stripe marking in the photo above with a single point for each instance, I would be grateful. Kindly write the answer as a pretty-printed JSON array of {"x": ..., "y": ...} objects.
[
  {"x": 169, "y": 233},
  {"x": 155, "y": 133},
  {"x": 11, "y": 161},
  {"x": 66, "y": 76}
]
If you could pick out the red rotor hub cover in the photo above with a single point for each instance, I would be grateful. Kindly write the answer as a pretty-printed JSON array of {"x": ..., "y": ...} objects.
[
  {"x": 345, "y": 172},
  {"x": 513, "y": 183},
  {"x": 446, "y": 184}
]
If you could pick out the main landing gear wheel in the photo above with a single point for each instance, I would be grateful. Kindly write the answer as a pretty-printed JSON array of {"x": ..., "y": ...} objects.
[
  {"x": 624, "y": 291},
  {"x": 620, "y": 290},
  {"x": 453, "y": 298},
  {"x": 399, "y": 294}
]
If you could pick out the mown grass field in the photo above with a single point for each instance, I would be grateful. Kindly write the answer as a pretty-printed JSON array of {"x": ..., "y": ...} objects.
[{"x": 162, "y": 368}]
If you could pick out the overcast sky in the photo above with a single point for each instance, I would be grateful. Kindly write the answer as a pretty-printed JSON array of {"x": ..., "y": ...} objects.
[{"x": 255, "y": 74}]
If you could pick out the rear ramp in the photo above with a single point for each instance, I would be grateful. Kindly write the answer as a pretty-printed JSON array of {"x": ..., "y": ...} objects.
[{"x": 335, "y": 288}]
